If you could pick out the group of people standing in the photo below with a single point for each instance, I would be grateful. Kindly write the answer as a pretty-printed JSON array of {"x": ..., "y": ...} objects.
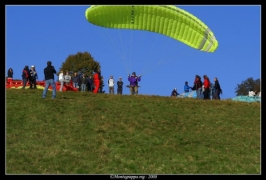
[
  {"x": 49, "y": 72},
  {"x": 207, "y": 88},
  {"x": 93, "y": 83},
  {"x": 80, "y": 81},
  {"x": 204, "y": 90},
  {"x": 64, "y": 79},
  {"x": 133, "y": 84},
  {"x": 29, "y": 75}
]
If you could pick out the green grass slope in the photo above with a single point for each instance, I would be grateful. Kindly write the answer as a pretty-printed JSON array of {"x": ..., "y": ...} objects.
[{"x": 85, "y": 133}]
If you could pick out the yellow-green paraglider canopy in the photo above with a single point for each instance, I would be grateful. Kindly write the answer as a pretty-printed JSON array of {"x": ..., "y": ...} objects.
[{"x": 164, "y": 19}]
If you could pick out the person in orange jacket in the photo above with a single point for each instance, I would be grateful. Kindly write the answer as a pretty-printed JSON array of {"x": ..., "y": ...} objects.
[
  {"x": 96, "y": 81},
  {"x": 206, "y": 84}
]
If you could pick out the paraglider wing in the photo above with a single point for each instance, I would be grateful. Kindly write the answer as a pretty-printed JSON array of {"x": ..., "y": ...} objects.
[{"x": 164, "y": 19}]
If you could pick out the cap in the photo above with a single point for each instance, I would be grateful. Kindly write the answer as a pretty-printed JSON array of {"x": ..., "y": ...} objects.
[
  {"x": 32, "y": 66},
  {"x": 120, "y": 78},
  {"x": 175, "y": 88}
]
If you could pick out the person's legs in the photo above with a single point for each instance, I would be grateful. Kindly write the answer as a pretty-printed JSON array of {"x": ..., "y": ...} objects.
[
  {"x": 31, "y": 83},
  {"x": 214, "y": 94},
  {"x": 97, "y": 85},
  {"x": 206, "y": 93},
  {"x": 84, "y": 87},
  {"x": 34, "y": 84},
  {"x": 131, "y": 90},
  {"x": 136, "y": 90},
  {"x": 88, "y": 86},
  {"x": 201, "y": 93},
  {"x": 217, "y": 94},
  {"x": 112, "y": 89},
  {"x": 47, "y": 84},
  {"x": 75, "y": 85},
  {"x": 198, "y": 94},
  {"x": 52, "y": 82},
  {"x": 119, "y": 91},
  {"x": 62, "y": 84},
  {"x": 24, "y": 83}
]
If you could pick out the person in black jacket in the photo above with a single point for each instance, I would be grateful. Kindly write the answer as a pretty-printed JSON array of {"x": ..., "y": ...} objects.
[
  {"x": 76, "y": 80},
  {"x": 33, "y": 77},
  {"x": 49, "y": 72},
  {"x": 217, "y": 89},
  {"x": 120, "y": 86},
  {"x": 10, "y": 73},
  {"x": 174, "y": 93},
  {"x": 90, "y": 84}
]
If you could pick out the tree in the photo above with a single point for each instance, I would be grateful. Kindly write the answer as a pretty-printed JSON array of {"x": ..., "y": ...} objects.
[
  {"x": 243, "y": 88},
  {"x": 82, "y": 63}
]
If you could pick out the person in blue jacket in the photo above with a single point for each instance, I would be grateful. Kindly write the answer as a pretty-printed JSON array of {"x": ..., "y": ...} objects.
[
  {"x": 187, "y": 87},
  {"x": 133, "y": 86}
]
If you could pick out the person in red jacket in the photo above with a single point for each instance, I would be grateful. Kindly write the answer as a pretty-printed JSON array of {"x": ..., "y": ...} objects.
[
  {"x": 96, "y": 81},
  {"x": 206, "y": 84}
]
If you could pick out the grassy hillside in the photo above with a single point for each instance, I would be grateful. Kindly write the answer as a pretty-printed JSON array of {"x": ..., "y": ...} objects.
[{"x": 85, "y": 133}]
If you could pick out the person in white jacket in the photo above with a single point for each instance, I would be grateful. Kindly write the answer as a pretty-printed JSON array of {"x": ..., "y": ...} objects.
[
  {"x": 111, "y": 84},
  {"x": 61, "y": 80},
  {"x": 251, "y": 93}
]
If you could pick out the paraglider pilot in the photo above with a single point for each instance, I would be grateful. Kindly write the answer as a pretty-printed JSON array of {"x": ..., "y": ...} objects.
[{"x": 133, "y": 86}]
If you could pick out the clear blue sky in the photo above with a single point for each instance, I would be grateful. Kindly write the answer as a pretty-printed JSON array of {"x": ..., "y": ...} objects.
[{"x": 36, "y": 34}]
